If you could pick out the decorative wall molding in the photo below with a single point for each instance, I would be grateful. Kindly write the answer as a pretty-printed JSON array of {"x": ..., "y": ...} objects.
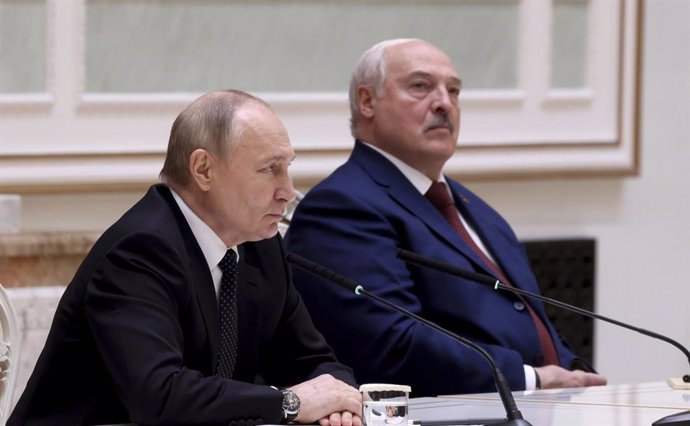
[{"x": 71, "y": 140}]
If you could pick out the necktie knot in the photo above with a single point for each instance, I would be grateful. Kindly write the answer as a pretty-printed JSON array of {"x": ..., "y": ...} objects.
[
  {"x": 228, "y": 262},
  {"x": 438, "y": 196}
]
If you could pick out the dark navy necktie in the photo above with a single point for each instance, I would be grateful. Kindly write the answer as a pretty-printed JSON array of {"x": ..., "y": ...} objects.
[
  {"x": 438, "y": 196},
  {"x": 227, "y": 307}
]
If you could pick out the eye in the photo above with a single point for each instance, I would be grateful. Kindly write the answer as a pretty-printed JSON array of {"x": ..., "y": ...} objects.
[
  {"x": 420, "y": 85},
  {"x": 454, "y": 91},
  {"x": 269, "y": 169}
]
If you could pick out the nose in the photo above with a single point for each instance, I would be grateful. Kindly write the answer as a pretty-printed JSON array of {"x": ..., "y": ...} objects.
[
  {"x": 442, "y": 101},
  {"x": 286, "y": 192}
]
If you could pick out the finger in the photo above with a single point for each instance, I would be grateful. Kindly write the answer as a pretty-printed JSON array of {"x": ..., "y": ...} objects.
[
  {"x": 346, "y": 418},
  {"x": 593, "y": 379},
  {"x": 353, "y": 404},
  {"x": 324, "y": 421},
  {"x": 335, "y": 419},
  {"x": 356, "y": 420}
]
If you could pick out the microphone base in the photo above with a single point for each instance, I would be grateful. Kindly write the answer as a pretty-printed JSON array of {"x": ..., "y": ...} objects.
[
  {"x": 679, "y": 383},
  {"x": 678, "y": 419}
]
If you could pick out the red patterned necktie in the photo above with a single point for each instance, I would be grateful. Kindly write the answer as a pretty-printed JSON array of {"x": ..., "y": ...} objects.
[
  {"x": 438, "y": 196},
  {"x": 227, "y": 307}
]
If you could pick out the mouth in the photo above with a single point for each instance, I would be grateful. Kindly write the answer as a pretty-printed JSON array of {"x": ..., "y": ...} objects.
[{"x": 439, "y": 127}]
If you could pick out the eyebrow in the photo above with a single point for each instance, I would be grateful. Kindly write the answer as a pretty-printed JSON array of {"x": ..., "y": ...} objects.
[
  {"x": 280, "y": 158},
  {"x": 425, "y": 74}
]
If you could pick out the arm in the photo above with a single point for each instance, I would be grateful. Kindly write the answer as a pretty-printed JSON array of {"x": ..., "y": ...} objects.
[
  {"x": 297, "y": 354},
  {"x": 299, "y": 350}
]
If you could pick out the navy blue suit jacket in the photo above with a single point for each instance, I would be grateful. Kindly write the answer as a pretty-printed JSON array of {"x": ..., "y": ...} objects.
[
  {"x": 135, "y": 336},
  {"x": 354, "y": 222}
]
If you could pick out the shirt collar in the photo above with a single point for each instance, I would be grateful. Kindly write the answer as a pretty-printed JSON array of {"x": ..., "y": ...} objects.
[
  {"x": 418, "y": 179},
  {"x": 211, "y": 245}
]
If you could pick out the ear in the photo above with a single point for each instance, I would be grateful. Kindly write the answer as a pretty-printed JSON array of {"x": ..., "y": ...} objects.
[
  {"x": 366, "y": 101},
  {"x": 200, "y": 164}
]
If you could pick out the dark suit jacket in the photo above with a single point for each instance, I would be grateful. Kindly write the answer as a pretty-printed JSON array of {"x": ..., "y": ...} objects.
[
  {"x": 135, "y": 336},
  {"x": 354, "y": 222}
]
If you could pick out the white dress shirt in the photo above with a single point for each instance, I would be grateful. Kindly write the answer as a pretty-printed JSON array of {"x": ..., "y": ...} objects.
[{"x": 211, "y": 245}]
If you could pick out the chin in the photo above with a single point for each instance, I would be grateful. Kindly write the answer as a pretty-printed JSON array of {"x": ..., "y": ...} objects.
[
  {"x": 269, "y": 233},
  {"x": 447, "y": 146}
]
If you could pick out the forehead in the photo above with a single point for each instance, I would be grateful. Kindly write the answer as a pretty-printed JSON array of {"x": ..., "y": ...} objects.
[
  {"x": 419, "y": 57},
  {"x": 262, "y": 132}
]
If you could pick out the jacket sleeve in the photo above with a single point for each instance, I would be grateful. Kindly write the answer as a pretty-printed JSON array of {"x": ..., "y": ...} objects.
[{"x": 297, "y": 350}]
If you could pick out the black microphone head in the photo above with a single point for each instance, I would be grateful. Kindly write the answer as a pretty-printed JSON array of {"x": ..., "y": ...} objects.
[
  {"x": 427, "y": 262},
  {"x": 323, "y": 272}
]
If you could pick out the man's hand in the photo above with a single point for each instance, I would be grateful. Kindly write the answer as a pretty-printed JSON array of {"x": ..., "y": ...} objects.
[
  {"x": 553, "y": 376},
  {"x": 328, "y": 400}
]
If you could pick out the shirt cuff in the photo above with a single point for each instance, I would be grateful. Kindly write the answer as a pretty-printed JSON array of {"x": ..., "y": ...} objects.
[{"x": 530, "y": 378}]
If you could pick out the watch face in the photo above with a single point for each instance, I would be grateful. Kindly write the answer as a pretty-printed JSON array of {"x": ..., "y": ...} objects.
[{"x": 290, "y": 403}]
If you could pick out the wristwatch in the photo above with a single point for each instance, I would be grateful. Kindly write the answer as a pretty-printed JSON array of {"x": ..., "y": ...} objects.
[{"x": 291, "y": 405}]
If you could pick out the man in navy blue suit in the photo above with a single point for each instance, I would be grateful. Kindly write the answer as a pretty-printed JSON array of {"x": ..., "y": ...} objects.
[{"x": 404, "y": 101}]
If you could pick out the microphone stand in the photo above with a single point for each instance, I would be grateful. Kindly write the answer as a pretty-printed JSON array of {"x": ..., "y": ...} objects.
[
  {"x": 514, "y": 416},
  {"x": 679, "y": 419}
]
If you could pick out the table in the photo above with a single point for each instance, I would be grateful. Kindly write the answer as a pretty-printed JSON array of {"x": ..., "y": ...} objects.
[{"x": 624, "y": 405}]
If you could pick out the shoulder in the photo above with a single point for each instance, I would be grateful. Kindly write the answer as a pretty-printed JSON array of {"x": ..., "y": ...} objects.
[
  {"x": 469, "y": 199},
  {"x": 266, "y": 255},
  {"x": 148, "y": 234}
]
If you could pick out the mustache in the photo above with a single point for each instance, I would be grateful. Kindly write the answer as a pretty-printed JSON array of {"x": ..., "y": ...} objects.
[{"x": 440, "y": 120}]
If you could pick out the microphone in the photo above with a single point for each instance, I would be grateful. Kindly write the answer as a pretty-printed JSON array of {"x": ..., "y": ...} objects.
[
  {"x": 489, "y": 281},
  {"x": 514, "y": 416}
]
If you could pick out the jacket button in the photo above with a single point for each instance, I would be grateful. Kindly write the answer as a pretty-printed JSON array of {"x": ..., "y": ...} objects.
[{"x": 519, "y": 306}]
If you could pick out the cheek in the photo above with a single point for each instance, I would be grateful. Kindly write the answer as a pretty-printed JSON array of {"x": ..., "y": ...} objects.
[
  {"x": 259, "y": 196},
  {"x": 420, "y": 114}
]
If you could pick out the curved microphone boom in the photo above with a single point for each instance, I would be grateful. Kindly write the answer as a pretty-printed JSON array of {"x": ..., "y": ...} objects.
[
  {"x": 514, "y": 416},
  {"x": 489, "y": 281}
]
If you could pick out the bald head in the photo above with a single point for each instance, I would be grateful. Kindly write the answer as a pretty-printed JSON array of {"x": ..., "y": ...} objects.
[{"x": 208, "y": 123}]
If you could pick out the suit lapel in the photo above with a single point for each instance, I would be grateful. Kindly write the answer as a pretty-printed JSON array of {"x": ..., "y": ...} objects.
[
  {"x": 200, "y": 276},
  {"x": 249, "y": 286},
  {"x": 207, "y": 300},
  {"x": 499, "y": 246},
  {"x": 406, "y": 195}
]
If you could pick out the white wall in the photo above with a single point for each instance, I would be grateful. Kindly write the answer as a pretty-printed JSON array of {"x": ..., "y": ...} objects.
[{"x": 642, "y": 224}]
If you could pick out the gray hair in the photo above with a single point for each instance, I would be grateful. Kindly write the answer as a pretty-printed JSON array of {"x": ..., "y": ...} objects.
[
  {"x": 369, "y": 71},
  {"x": 207, "y": 123}
]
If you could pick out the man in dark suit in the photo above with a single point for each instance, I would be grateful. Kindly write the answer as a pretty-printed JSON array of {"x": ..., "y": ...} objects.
[
  {"x": 391, "y": 193},
  {"x": 137, "y": 335}
]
